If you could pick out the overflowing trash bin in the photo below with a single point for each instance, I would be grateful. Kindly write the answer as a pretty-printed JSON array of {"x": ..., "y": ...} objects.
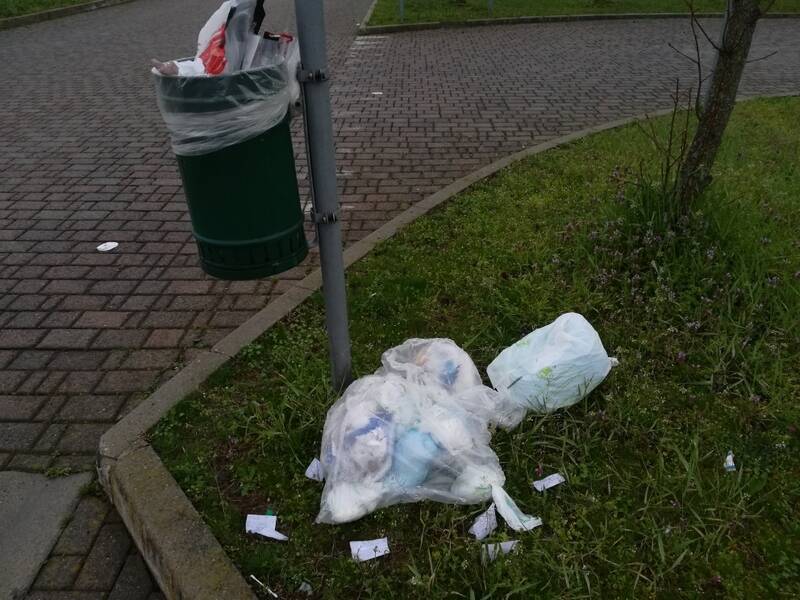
[{"x": 228, "y": 111}]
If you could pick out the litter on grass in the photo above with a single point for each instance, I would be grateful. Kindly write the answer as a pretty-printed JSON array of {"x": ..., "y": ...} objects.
[
  {"x": 548, "y": 482},
  {"x": 264, "y": 525},
  {"x": 419, "y": 428},
  {"x": 107, "y": 246},
  {"x": 552, "y": 367},
  {"x": 264, "y": 587},
  {"x": 314, "y": 471},
  {"x": 369, "y": 549},
  {"x": 729, "y": 464},
  {"x": 489, "y": 552},
  {"x": 485, "y": 524},
  {"x": 305, "y": 588}
]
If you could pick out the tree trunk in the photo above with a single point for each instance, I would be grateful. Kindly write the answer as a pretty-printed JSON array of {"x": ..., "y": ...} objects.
[{"x": 695, "y": 173}]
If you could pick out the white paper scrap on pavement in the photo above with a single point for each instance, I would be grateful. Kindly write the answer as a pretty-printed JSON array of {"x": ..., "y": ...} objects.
[
  {"x": 548, "y": 482},
  {"x": 369, "y": 549},
  {"x": 485, "y": 524},
  {"x": 314, "y": 471},
  {"x": 107, "y": 246},
  {"x": 491, "y": 551},
  {"x": 264, "y": 525}
]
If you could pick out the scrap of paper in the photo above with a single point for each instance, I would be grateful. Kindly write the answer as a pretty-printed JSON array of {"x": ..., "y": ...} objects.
[
  {"x": 264, "y": 525},
  {"x": 369, "y": 549},
  {"x": 485, "y": 524},
  {"x": 511, "y": 513},
  {"x": 548, "y": 482},
  {"x": 314, "y": 471},
  {"x": 491, "y": 551},
  {"x": 729, "y": 464},
  {"x": 107, "y": 246},
  {"x": 305, "y": 588}
]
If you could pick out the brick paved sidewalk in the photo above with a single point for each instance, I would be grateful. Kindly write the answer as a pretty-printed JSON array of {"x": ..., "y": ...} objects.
[{"x": 84, "y": 159}]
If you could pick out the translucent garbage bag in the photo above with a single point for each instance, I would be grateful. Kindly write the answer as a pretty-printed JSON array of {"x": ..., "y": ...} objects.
[
  {"x": 552, "y": 367},
  {"x": 440, "y": 362},
  {"x": 389, "y": 440}
]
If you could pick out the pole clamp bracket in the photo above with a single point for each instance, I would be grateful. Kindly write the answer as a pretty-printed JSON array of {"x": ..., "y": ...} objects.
[
  {"x": 317, "y": 76},
  {"x": 323, "y": 218}
]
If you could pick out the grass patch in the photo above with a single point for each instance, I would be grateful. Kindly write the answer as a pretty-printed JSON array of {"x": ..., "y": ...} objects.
[
  {"x": 387, "y": 12},
  {"x": 17, "y": 8},
  {"x": 704, "y": 322}
]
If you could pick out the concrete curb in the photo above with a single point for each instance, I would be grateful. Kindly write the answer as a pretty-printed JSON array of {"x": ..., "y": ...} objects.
[
  {"x": 365, "y": 29},
  {"x": 181, "y": 551},
  {"x": 57, "y": 13},
  {"x": 367, "y": 16}
]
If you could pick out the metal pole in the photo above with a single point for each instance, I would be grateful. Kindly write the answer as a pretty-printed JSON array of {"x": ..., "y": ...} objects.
[
  {"x": 491, "y": 6},
  {"x": 402, "y": 8},
  {"x": 322, "y": 171}
]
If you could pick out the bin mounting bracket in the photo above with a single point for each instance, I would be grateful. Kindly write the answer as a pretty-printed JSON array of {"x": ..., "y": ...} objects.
[
  {"x": 323, "y": 218},
  {"x": 317, "y": 76}
]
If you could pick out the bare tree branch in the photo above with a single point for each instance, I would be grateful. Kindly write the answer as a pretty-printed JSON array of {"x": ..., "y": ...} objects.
[{"x": 765, "y": 57}]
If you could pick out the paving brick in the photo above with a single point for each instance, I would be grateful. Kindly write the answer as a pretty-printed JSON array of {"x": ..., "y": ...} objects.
[
  {"x": 49, "y": 408},
  {"x": 50, "y": 437},
  {"x": 20, "y": 338},
  {"x": 68, "y": 339},
  {"x": 105, "y": 560},
  {"x": 103, "y": 319},
  {"x": 80, "y": 382},
  {"x": 11, "y": 380},
  {"x": 120, "y": 338},
  {"x": 91, "y": 408},
  {"x": 127, "y": 381},
  {"x": 7, "y": 357},
  {"x": 18, "y": 408},
  {"x": 151, "y": 359},
  {"x": 26, "y": 319},
  {"x": 134, "y": 581},
  {"x": 60, "y": 319},
  {"x": 31, "y": 360},
  {"x": 78, "y": 360},
  {"x": 164, "y": 338},
  {"x": 19, "y": 436},
  {"x": 58, "y": 573},
  {"x": 82, "y": 437},
  {"x": 80, "y": 532}
]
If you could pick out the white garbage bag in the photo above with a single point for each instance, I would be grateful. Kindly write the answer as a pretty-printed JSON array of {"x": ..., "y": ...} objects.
[
  {"x": 417, "y": 429},
  {"x": 552, "y": 367}
]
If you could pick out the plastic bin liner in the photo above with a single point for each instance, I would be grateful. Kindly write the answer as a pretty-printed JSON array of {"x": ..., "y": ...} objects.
[{"x": 205, "y": 114}]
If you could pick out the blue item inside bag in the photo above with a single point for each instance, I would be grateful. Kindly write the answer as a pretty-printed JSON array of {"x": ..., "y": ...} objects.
[{"x": 414, "y": 453}]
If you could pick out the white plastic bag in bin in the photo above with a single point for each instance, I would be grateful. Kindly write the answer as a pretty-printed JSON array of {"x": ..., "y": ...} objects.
[{"x": 552, "y": 367}]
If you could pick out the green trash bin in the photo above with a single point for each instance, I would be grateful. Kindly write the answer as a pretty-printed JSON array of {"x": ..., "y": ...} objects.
[{"x": 233, "y": 145}]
